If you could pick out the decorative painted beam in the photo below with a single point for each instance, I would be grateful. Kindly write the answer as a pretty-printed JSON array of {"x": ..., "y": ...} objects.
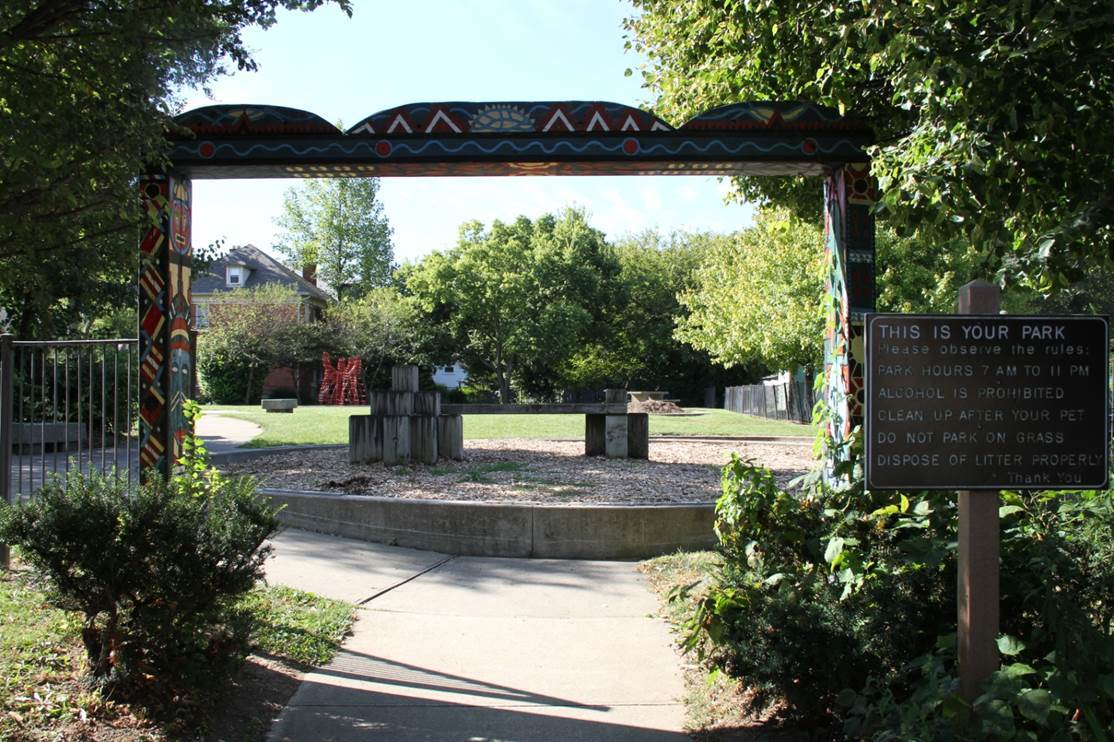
[
  {"x": 499, "y": 138},
  {"x": 516, "y": 138}
]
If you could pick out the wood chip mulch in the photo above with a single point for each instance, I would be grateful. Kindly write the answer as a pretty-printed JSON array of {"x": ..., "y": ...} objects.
[{"x": 531, "y": 471}]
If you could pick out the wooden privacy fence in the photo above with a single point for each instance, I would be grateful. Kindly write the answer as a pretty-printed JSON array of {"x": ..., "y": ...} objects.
[{"x": 792, "y": 401}]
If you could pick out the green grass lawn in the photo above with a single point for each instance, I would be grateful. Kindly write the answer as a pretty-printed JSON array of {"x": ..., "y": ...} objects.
[
  {"x": 43, "y": 693},
  {"x": 321, "y": 424}
]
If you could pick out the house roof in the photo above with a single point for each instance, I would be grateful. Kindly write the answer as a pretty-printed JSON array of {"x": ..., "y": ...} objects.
[{"x": 264, "y": 270}]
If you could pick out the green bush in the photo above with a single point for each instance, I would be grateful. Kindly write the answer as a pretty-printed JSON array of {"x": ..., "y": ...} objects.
[
  {"x": 224, "y": 376},
  {"x": 153, "y": 570},
  {"x": 841, "y": 602}
]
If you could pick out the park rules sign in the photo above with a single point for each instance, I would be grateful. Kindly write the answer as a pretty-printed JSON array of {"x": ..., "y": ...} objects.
[{"x": 986, "y": 402}]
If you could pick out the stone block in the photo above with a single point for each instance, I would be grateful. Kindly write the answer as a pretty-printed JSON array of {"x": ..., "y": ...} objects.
[{"x": 279, "y": 405}]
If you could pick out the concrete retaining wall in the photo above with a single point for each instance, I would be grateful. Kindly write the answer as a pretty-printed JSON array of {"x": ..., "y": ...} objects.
[{"x": 492, "y": 529}]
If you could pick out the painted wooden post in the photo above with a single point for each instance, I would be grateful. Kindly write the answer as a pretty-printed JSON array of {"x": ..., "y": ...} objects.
[
  {"x": 165, "y": 360},
  {"x": 849, "y": 194},
  {"x": 977, "y": 585}
]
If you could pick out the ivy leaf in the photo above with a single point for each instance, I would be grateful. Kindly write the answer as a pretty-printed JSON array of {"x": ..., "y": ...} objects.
[
  {"x": 1034, "y": 704},
  {"x": 1107, "y": 683},
  {"x": 1009, "y": 645},
  {"x": 1018, "y": 669},
  {"x": 834, "y": 551}
]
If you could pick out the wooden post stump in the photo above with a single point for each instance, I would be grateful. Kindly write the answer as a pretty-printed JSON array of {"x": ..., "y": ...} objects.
[
  {"x": 404, "y": 378},
  {"x": 365, "y": 444},
  {"x": 615, "y": 436},
  {"x": 638, "y": 435},
  {"x": 423, "y": 439},
  {"x": 450, "y": 436},
  {"x": 594, "y": 438},
  {"x": 395, "y": 442},
  {"x": 426, "y": 404},
  {"x": 391, "y": 403}
]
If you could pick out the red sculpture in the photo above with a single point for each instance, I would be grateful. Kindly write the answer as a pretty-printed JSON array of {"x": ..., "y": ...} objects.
[{"x": 342, "y": 383}]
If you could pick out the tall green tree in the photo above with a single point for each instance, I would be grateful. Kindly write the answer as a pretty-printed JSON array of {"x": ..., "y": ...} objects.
[
  {"x": 518, "y": 299},
  {"x": 635, "y": 347},
  {"x": 86, "y": 96},
  {"x": 339, "y": 226},
  {"x": 758, "y": 296},
  {"x": 383, "y": 328},
  {"x": 993, "y": 116}
]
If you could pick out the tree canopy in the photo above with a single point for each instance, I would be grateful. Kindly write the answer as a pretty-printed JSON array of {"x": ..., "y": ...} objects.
[
  {"x": 384, "y": 328},
  {"x": 758, "y": 296},
  {"x": 250, "y": 332},
  {"x": 635, "y": 348},
  {"x": 86, "y": 96},
  {"x": 339, "y": 226},
  {"x": 992, "y": 116},
  {"x": 517, "y": 299}
]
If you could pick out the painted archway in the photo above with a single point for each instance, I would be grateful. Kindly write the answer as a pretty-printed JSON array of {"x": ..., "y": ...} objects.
[{"x": 498, "y": 138}]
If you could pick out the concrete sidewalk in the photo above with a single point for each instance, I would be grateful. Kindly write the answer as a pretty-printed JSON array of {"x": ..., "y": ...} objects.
[
  {"x": 469, "y": 648},
  {"x": 222, "y": 434}
]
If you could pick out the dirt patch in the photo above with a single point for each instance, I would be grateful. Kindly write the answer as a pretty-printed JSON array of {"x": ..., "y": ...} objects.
[
  {"x": 654, "y": 407},
  {"x": 255, "y": 699},
  {"x": 536, "y": 472}
]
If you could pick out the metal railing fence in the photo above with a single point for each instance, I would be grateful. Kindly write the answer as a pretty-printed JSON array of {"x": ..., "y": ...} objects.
[
  {"x": 67, "y": 405},
  {"x": 792, "y": 401}
]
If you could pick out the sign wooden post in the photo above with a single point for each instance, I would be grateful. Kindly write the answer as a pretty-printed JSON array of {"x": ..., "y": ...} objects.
[
  {"x": 977, "y": 585},
  {"x": 978, "y": 402}
]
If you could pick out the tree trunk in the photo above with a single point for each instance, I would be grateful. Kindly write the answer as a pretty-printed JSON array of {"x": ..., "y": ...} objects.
[
  {"x": 504, "y": 382},
  {"x": 251, "y": 378},
  {"x": 101, "y": 643}
]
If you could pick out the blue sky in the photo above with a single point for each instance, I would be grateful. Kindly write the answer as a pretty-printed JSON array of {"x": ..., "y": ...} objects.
[{"x": 391, "y": 53}]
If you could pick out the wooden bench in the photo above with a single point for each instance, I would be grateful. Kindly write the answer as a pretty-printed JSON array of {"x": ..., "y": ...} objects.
[
  {"x": 609, "y": 430},
  {"x": 408, "y": 425}
]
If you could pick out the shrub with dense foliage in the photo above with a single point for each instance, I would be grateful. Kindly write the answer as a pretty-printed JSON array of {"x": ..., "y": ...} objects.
[
  {"x": 154, "y": 570},
  {"x": 252, "y": 331},
  {"x": 840, "y": 601}
]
